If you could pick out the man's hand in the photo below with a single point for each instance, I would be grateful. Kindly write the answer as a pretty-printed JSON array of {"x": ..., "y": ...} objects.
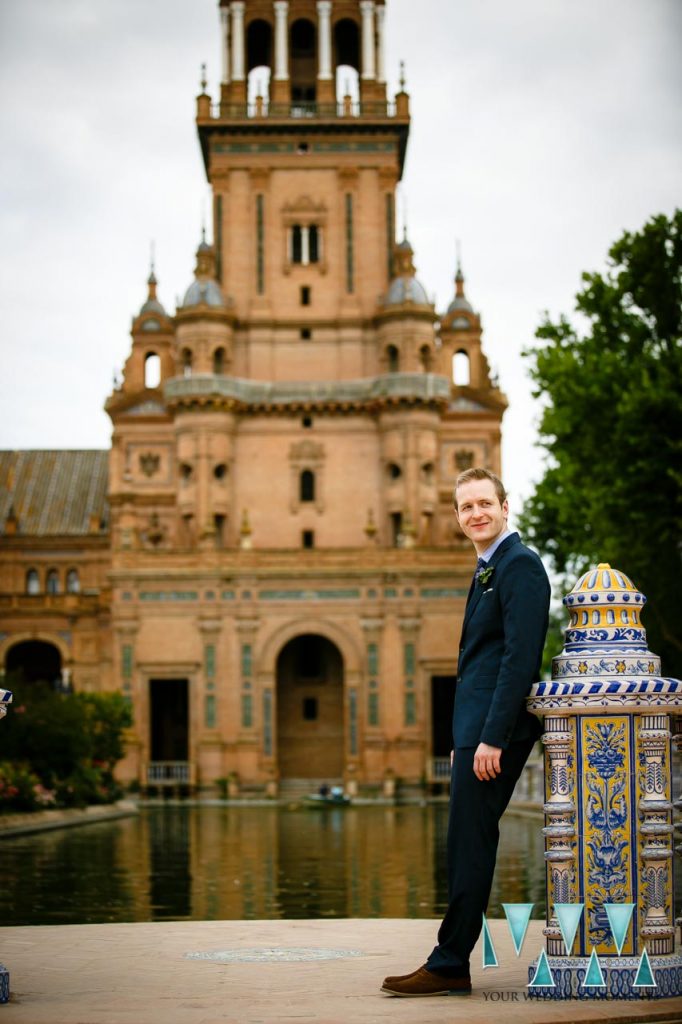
[
  {"x": 487, "y": 762},
  {"x": 452, "y": 758}
]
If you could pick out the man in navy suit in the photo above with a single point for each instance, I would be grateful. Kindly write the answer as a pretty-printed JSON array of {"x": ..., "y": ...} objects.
[{"x": 503, "y": 634}]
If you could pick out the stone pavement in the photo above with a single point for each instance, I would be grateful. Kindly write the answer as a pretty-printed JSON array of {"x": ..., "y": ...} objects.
[{"x": 325, "y": 971}]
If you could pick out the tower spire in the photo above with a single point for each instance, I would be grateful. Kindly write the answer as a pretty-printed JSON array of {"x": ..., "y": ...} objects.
[
  {"x": 459, "y": 276},
  {"x": 151, "y": 280}
]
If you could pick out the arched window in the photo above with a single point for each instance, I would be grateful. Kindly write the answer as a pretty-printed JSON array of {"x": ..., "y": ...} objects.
[
  {"x": 425, "y": 358},
  {"x": 186, "y": 362},
  {"x": 52, "y": 582},
  {"x": 392, "y": 359},
  {"x": 461, "y": 370},
  {"x": 32, "y": 582},
  {"x": 219, "y": 360},
  {"x": 303, "y": 66},
  {"x": 258, "y": 60},
  {"x": 347, "y": 44},
  {"x": 73, "y": 583},
  {"x": 152, "y": 370},
  {"x": 307, "y": 485}
]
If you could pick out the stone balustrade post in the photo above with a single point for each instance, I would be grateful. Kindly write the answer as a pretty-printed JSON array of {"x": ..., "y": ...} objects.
[{"x": 608, "y": 715}]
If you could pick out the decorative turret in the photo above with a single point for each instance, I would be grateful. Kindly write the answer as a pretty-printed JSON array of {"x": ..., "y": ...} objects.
[
  {"x": 406, "y": 339},
  {"x": 152, "y": 304},
  {"x": 460, "y": 301},
  {"x": 461, "y": 355},
  {"x": 405, "y": 287},
  {"x": 150, "y": 362},
  {"x": 204, "y": 289}
]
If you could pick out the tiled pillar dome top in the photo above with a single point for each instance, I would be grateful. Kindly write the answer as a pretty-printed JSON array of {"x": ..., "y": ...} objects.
[
  {"x": 603, "y": 585},
  {"x": 605, "y": 607}
]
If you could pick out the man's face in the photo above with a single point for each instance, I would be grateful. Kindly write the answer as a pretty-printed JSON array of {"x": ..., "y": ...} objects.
[{"x": 480, "y": 514}]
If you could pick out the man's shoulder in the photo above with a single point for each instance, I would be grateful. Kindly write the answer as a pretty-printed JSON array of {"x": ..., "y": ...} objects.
[{"x": 519, "y": 556}]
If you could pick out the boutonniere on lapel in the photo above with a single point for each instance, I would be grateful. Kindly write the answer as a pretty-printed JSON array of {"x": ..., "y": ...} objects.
[{"x": 483, "y": 575}]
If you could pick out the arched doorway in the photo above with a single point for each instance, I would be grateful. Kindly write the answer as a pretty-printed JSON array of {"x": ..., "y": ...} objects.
[
  {"x": 310, "y": 709},
  {"x": 33, "y": 661}
]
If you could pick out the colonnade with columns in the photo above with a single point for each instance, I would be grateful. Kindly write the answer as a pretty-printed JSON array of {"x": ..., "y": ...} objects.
[{"x": 235, "y": 19}]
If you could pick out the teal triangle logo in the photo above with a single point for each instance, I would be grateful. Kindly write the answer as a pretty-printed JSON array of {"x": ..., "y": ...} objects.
[
  {"x": 594, "y": 977},
  {"x": 489, "y": 955},
  {"x": 543, "y": 974},
  {"x": 568, "y": 916},
  {"x": 518, "y": 916},
  {"x": 645, "y": 976},
  {"x": 619, "y": 915}
]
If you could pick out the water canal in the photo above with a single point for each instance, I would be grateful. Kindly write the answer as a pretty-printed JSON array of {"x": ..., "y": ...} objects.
[{"x": 223, "y": 862}]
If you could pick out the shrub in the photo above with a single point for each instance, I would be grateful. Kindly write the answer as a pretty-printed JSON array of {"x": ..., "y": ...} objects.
[
  {"x": 22, "y": 790},
  {"x": 65, "y": 744}
]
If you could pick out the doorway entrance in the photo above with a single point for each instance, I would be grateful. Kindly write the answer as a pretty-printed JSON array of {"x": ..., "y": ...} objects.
[
  {"x": 442, "y": 705},
  {"x": 169, "y": 730},
  {"x": 33, "y": 661},
  {"x": 310, "y": 709}
]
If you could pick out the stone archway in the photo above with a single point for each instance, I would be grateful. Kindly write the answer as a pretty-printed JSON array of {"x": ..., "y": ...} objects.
[
  {"x": 33, "y": 661},
  {"x": 310, "y": 737}
]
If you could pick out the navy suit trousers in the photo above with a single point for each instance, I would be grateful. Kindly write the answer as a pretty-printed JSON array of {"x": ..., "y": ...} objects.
[{"x": 473, "y": 832}]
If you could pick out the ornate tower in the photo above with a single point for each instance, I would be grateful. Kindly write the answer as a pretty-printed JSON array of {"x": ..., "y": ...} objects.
[{"x": 286, "y": 569}]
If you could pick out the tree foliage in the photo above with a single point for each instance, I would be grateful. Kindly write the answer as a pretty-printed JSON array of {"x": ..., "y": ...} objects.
[
  {"x": 611, "y": 389},
  {"x": 69, "y": 742}
]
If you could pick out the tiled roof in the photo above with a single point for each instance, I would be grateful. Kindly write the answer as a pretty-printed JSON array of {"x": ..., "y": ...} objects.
[{"x": 54, "y": 493}]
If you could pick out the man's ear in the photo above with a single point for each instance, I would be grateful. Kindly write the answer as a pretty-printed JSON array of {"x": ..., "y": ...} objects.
[{"x": 505, "y": 508}]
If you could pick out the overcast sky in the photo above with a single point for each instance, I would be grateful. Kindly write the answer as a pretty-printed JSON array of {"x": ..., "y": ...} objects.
[{"x": 540, "y": 131}]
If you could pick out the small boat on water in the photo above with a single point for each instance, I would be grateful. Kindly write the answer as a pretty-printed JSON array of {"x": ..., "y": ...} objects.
[{"x": 327, "y": 800}]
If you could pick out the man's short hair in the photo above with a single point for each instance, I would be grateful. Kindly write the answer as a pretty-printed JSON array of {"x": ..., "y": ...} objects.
[{"x": 478, "y": 473}]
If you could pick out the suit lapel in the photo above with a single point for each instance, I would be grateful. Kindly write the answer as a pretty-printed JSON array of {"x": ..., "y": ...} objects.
[{"x": 476, "y": 591}]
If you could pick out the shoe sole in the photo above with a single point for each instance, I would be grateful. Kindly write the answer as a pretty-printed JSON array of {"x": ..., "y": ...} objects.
[{"x": 421, "y": 995}]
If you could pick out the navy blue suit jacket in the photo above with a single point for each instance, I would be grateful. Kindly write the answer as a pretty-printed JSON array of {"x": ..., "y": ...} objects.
[{"x": 503, "y": 634}]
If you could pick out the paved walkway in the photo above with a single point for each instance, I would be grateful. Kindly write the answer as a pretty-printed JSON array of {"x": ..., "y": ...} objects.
[
  {"x": 142, "y": 974},
  {"x": 65, "y": 817}
]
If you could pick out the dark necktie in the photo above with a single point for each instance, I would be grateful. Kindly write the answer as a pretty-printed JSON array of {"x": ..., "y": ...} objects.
[{"x": 480, "y": 566}]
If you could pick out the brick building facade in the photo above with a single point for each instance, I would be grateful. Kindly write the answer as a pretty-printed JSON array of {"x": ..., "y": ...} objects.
[{"x": 266, "y": 562}]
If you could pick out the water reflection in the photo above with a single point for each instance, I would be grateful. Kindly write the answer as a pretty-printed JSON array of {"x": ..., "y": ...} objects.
[
  {"x": 213, "y": 863},
  {"x": 169, "y": 876}
]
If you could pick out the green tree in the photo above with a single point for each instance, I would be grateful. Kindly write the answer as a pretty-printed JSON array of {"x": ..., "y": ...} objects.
[
  {"x": 70, "y": 741},
  {"x": 611, "y": 426}
]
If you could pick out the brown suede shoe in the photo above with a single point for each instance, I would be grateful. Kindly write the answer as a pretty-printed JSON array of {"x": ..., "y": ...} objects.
[{"x": 426, "y": 983}]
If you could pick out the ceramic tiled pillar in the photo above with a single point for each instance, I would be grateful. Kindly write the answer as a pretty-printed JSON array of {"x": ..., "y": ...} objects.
[{"x": 608, "y": 716}]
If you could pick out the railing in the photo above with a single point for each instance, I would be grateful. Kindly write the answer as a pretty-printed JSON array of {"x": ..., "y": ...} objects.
[
  {"x": 529, "y": 789},
  {"x": 50, "y": 602},
  {"x": 170, "y": 773},
  {"x": 420, "y": 386},
  {"x": 239, "y": 111},
  {"x": 438, "y": 769}
]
